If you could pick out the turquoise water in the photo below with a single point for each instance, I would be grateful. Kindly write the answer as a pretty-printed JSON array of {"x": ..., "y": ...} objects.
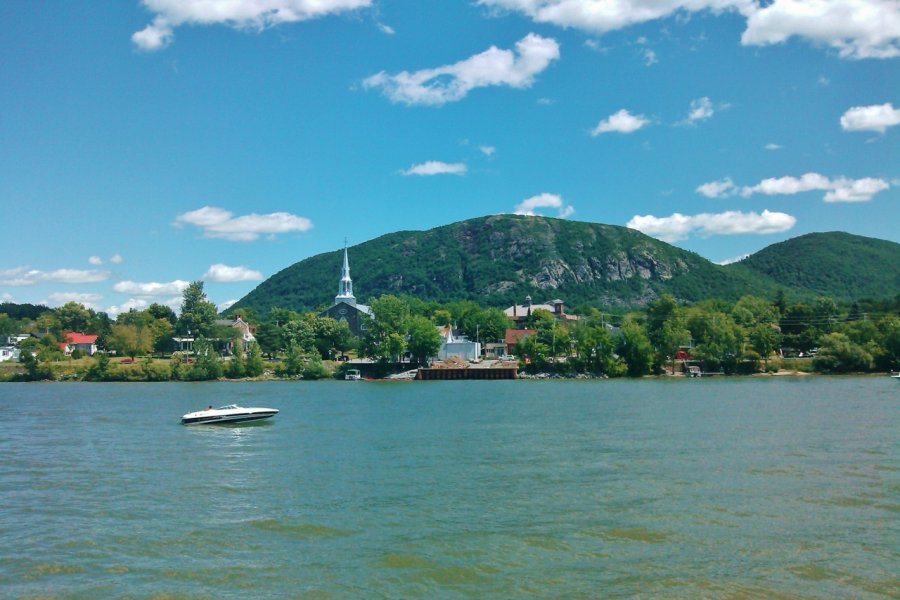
[{"x": 731, "y": 488}]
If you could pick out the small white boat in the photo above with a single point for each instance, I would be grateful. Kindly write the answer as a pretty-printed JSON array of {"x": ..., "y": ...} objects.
[
  {"x": 352, "y": 375},
  {"x": 231, "y": 413},
  {"x": 897, "y": 376}
]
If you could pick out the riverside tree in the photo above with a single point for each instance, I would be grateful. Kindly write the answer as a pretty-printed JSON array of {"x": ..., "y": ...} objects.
[{"x": 198, "y": 314}]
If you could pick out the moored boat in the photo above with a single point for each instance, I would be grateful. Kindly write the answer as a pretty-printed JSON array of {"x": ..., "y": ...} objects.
[{"x": 230, "y": 413}]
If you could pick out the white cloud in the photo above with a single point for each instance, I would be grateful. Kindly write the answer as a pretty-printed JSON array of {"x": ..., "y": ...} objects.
[
  {"x": 701, "y": 110},
  {"x": 487, "y": 150},
  {"x": 679, "y": 227},
  {"x": 95, "y": 260},
  {"x": 224, "y": 273},
  {"x": 621, "y": 122},
  {"x": 856, "y": 28},
  {"x": 545, "y": 200},
  {"x": 151, "y": 288},
  {"x": 220, "y": 223},
  {"x": 855, "y": 190},
  {"x": 650, "y": 58},
  {"x": 116, "y": 259},
  {"x": 436, "y": 167},
  {"x": 25, "y": 276},
  {"x": 226, "y": 305},
  {"x": 718, "y": 189},
  {"x": 131, "y": 303},
  {"x": 841, "y": 189},
  {"x": 772, "y": 146},
  {"x": 88, "y": 300},
  {"x": 387, "y": 30},
  {"x": 240, "y": 14},
  {"x": 449, "y": 83},
  {"x": 545, "y": 101},
  {"x": 877, "y": 117},
  {"x": 7, "y": 297}
]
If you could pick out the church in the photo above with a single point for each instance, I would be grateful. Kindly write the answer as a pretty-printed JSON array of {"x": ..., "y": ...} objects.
[{"x": 345, "y": 307}]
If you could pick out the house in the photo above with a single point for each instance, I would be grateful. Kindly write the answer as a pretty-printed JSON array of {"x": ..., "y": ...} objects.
[
  {"x": 246, "y": 329},
  {"x": 345, "y": 307},
  {"x": 520, "y": 313},
  {"x": 512, "y": 337},
  {"x": 86, "y": 343},
  {"x": 494, "y": 350},
  {"x": 454, "y": 344},
  {"x": 14, "y": 339},
  {"x": 8, "y": 353}
]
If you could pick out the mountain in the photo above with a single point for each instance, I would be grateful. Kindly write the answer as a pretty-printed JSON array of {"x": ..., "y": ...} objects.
[
  {"x": 836, "y": 264},
  {"x": 500, "y": 259}
]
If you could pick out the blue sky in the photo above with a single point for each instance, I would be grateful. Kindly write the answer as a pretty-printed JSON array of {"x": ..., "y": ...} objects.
[{"x": 146, "y": 144}]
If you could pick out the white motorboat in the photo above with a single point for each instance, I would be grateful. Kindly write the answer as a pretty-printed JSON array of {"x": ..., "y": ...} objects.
[
  {"x": 352, "y": 375},
  {"x": 231, "y": 413}
]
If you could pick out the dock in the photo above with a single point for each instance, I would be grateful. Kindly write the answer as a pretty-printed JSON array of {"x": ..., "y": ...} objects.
[{"x": 468, "y": 373}]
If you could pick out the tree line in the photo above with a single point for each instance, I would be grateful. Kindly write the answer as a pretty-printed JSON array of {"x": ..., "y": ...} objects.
[{"x": 747, "y": 336}]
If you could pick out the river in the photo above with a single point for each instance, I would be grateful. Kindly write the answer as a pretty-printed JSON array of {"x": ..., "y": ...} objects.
[{"x": 721, "y": 488}]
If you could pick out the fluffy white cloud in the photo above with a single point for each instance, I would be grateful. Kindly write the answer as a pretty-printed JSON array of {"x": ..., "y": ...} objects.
[
  {"x": 95, "y": 260},
  {"x": 679, "y": 227},
  {"x": 487, "y": 150},
  {"x": 856, "y": 28},
  {"x": 620, "y": 122},
  {"x": 224, "y": 273},
  {"x": 239, "y": 14},
  {"x": 772, "y": 146},
  {"x": 650, "y": 58},
  {"x": 855, "y": 190},
  {"x": 449, "y": 83},
  {"x": 877, "y": 117},
  {"x": 131, "y": 303},
  {"x": 151, "y": 288},
  {"x": 837, "y": 190},
  {"x": 436, "y": 167},
  {"x": 545, "y": 200},
  {"x": 220, "y": 223},
  {"x": 25, "y": 276},
  {"x": 89, "y": 300},
  {"x": 116, "y": 259},
  {"x": 718, "y": 189}
]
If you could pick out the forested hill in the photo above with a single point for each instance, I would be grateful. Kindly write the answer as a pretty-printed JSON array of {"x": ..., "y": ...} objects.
[
  {"x": 835, "y": 264},
  {"x": 500, "y": 259}
]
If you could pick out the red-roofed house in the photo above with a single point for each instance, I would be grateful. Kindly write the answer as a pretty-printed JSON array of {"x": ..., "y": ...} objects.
[
  {"x": 87, "y": 343},
  {"x": 514, "y": 336}
]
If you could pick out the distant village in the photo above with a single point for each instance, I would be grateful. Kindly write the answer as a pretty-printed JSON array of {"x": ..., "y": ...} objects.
[{"x": 389, "y": 338}]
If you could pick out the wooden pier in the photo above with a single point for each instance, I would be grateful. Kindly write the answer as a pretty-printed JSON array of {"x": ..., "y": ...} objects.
[{"x": 493, "y": 373}]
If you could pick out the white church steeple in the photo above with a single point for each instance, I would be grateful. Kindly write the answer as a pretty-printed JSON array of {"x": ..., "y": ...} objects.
[{"x": 345, "y": 285}]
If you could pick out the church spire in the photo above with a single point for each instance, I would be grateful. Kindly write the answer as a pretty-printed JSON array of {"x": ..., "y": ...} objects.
[{"x": 345, "y": 285}]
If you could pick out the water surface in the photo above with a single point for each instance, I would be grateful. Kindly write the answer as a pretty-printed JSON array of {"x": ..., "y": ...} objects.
[{"x": 731, "y": 488}]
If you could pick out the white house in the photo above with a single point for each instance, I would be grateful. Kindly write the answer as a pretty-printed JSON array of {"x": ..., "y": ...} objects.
[
  {"x": 8, "y": 353},
  {"x": 457, "y": 345}
]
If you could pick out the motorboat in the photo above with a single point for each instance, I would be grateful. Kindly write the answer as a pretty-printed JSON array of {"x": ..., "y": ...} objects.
[
  {"x": 352, "y": 375},
  {"x": 230, "y": 413},
  {"x": 897, "y": 376}
]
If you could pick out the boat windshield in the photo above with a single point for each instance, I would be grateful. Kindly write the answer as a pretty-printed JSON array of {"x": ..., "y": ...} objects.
[{"x": 228, "y": 407}]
